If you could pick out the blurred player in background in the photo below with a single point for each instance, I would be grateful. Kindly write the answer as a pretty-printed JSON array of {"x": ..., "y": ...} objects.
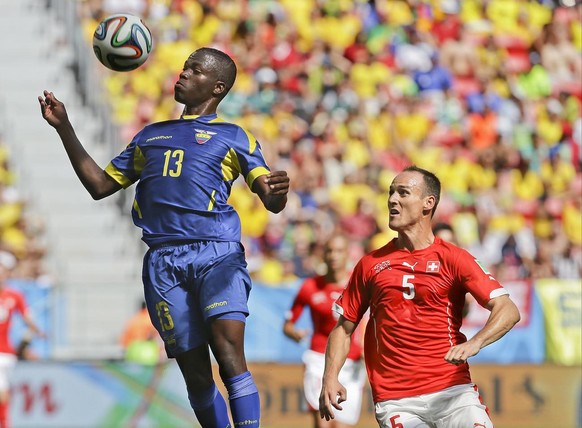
[
  {"x": 415, "y": 287},
  {"x": 318, "y": 294},
  {"x": 196, "y": 282},
  {"x": 445, "y": 231},
  {"x": 11, "y": 302},
  {"x": 140, "y": 339}
]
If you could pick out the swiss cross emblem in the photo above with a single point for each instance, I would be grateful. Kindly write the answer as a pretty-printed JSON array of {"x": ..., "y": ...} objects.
[{"x": 433, "y": 266}]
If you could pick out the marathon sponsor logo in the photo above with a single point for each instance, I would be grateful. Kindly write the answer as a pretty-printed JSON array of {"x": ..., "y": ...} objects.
[
  {"x": 246, "y": 422},
  {"x": 215, "y": 305},
  {"x": 159, "y": 137}
]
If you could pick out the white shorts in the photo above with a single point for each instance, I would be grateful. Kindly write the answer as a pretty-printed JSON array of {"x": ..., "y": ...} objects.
[
  {"x": 459, "y": 406},
  {"x": 7, "y": 363},
  {"x": 352, "y": 376}
]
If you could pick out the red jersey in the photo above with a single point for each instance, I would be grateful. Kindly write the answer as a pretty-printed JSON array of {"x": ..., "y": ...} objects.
[
  {"x": 10, "y": 302},
  {"x": 416, "y": 301},
  {"x": 320, "y": 296}
]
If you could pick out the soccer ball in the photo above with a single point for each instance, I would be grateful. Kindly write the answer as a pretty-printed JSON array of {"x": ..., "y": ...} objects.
[{"x": 122, "y": 42}]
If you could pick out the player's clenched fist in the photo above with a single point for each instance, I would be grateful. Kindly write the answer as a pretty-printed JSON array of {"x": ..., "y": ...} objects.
[{"x": 278, "y": 182}]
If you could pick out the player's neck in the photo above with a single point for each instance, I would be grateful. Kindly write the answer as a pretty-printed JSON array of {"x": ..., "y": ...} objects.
[
  {"x": 208, "y": 107},
  {"x": 415, "y": 239},
  {"x": 337, "y": 277}
]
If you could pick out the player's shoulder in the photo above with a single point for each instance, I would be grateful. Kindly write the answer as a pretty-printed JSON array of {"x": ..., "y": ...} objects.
[
  {"x": 241, "y": 133},
  {"x": 158, "y": 130},
  {"x": 215, "y": 121},
  {"x": 382, "y": 251},
  {"x": 11, "y": 292},
  {"x": 452, "y": 254},
  {"x": 313, "y": 282},
  {"x": 447, "y": 248},
  {"x": 161, "y": 124},
  {"x": 379, "y": 255}
]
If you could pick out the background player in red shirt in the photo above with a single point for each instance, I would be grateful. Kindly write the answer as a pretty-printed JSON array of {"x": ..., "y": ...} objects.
[
  {"x": 11, "y": 301},
  {"x": 415, "y": 286},
  {"x": 318, "y": 294}
]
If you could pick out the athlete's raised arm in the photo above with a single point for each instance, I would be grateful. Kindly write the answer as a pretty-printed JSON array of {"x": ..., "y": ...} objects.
[
  {"x": 272, "y": 188},
  {"x": 92, "y": 176}
]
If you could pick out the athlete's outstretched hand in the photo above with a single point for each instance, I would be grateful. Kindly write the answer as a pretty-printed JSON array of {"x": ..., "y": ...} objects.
[
  {"x": 53, "y": 111},
  {"x": 332, "y": 394}
]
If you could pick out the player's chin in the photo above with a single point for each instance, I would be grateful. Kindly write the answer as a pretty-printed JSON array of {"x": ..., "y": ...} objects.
[{"x": 394, "y": 223}]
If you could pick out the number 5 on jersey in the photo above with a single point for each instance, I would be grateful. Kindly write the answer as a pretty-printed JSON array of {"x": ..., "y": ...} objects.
[{"x": 408, "y": 286}]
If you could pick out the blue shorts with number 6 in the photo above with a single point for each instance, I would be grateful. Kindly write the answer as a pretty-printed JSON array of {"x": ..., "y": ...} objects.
[{"x": 187, "y": 284}]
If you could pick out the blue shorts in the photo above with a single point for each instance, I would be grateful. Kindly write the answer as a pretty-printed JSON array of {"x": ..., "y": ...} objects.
[{"x": 185, "y": 285}]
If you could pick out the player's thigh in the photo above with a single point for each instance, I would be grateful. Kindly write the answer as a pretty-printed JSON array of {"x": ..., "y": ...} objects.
[
  {"x": 171, "y": 306},
  {"x": 314, "y": 363},
  {"x": 401, "y": 419},
  {"x": 225, "y": 285},
  {"x": 470, "y": 416},
  {"x": 7, "y": 364},
  {"x": 403, "y": 413},
  {"x": 460, "y": 406},
  {"x": 352, "y": 376}
]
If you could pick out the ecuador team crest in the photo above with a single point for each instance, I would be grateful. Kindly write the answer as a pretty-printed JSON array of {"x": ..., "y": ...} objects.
[{"x": 203, "y": 136}]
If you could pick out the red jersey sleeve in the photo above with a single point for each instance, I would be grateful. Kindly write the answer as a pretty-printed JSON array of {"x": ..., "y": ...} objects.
[
  {"x": 476, "y": 278},
  {"x": 21, "y": 305},
  {"x": 355, "y": 299},
  {"x": 301, "y": 300}
]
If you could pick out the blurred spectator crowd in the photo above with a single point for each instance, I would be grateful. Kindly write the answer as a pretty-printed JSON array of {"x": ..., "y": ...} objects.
[
  {"x": 22, "y": 232},
  {"x": 344, "y": 93}
]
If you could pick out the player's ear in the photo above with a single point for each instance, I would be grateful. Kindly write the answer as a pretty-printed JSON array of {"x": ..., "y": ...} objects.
[
  {"x": 219, "y": 88},
  {"x": 429, "y": 203}
]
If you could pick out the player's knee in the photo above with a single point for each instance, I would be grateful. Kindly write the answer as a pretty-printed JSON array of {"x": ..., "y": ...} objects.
[{"x": 202, "y": 398}]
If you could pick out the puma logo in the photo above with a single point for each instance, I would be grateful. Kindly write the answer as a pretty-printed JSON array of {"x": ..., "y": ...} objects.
[
  {"x": 477, "y": 424},
  {"x": 409, "y": 265}
]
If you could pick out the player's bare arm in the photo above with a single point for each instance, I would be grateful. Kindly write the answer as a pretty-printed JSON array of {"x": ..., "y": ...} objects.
[
  {"x": 504, "y": 315},
  {"x": 293, "y": 333},
  {"x": 272, "y": 188},
  {"x": 28, "y": 320},
  {"x": 333, "y": 392},
  {"x": 94, "y": 179}
]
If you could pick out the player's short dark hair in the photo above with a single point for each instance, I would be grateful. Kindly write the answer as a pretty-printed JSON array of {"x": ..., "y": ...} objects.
[
  {"x": 442, "y": 226},
  {"x": 223, "y": 66},
  {"x": 431, "y": 182}
]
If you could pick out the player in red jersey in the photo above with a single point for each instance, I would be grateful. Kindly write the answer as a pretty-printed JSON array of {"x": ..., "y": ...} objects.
[
  {"x": 318, "y": 294},
  {"x": 415, "y": 287},
  {"x": 11, "y": 301}
]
